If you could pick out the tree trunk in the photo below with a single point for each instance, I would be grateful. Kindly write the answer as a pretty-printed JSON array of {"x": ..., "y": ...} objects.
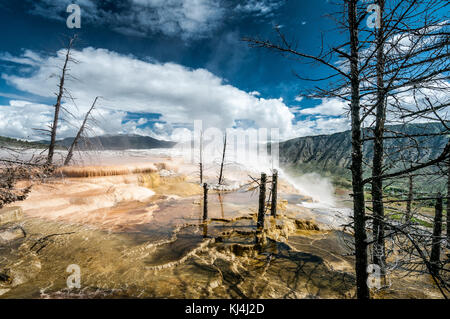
[
  {"x": 448, "y": 204},
  {"x": 378, "y": 256},
  {"x": 201, "y": 157},
  {"x": 80, "y": 131},
  {"x": 262, "y": 201},
  {"x": 51, "y": 148},
  {"x": 436, "y": 241},
  {"x": 362, "y": 290},
  {"x": 273, "y": 205},
  {"x": 205, "y": 202},
  {"x": 223, "y": 159}
]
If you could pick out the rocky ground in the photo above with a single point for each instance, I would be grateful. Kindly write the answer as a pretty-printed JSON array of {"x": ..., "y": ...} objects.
[{"x": 139, "y": 233}]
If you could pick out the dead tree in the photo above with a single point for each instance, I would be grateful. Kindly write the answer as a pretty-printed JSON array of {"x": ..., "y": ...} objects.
[
  {"x": 379, "y": 255},
  {"x": 79, "y": 134},
  {"x": 362, "y": 289},
  {"x": 9, "y": 193},
  {"x": 205, "y": 202},
  {"x": 60, "y": 95},
  {"x": 14, "y": 168},
  {"x": 436, "y": 239},
  {"x": 412, "y": 244},
  {"x": 397, "y": 70},
  {"x": 448, "y": 203},
  {"x": 223, "y": 158},
  {"x": 262, "y": 201},
  {"x": 273, "y": 205},
  {"x": 349, "y": 91}
]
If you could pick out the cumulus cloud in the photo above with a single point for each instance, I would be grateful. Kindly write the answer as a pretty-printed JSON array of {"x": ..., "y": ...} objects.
[
  {"x": 332, "y": 107},
  {"x": 19, "y": 119},
  {"x": 27, "y": 120},
  {"x": 179, "y": 94},
  {"x": 320, "y": 125}
]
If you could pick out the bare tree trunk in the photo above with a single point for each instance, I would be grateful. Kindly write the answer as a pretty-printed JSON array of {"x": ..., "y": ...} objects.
[
  {"x": 448, "y": 203},
  {"x": 51, "y": 148},
  {"x": 223, "y": 158},
  {"x": 80, "y": 132},
  {"x": 205, "y": 202},
  {"x": 378, "y": 256},
  {"x": 362, "y": 290},
  {"x": 201, "y": 157},
  {"x": 273, "y": 205},
  {"x": 262, "y": 201},
  {"x": 436, "y": 240},
  {"x": 410, "y": 198}
]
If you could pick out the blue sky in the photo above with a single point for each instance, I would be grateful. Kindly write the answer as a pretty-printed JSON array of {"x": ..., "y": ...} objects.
[{"x": 182, "y": 37}]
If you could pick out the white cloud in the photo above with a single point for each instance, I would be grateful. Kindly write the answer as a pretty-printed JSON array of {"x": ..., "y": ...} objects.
[
  {"x": 28, "y": 58},
  {"x": 20, "y": 118},
  {"x": 332, "y": 107},
  {"x": 320, "y": 126},
  {"x": 180, "y": 94},
  {"x": 26, "y": 120}
]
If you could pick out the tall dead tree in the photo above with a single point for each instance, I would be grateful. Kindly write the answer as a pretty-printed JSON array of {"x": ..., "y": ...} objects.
[
  {"x": 205, "y": 202},
  {"x": 79, "y": 134},
  {"x": 223, "y": 158},
  {"x": 59, "y": 97},
  {"x": 448, "y": 203},
  {"x": 273, "y": 205},
  {"x": 362, "y": 290},
  {"x": 436, "y": 239},
  {"x": 398, "y": 72},
  {"x": 379, "y": 256},
  {"x": 262, "y": 201},
  {"x": 348, "y": 91}
]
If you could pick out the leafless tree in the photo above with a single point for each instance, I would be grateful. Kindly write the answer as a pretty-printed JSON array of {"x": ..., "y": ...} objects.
[
  {"x": 79, "y": 134},
  {"x": 448, "y": 203},
  {"x": 18, "y": 173},
  {"x": 59, "y": 97},
  {"x": 348, "y": 90},
  {"x": 374, "y": 74},
  {"x": 400, "y": 69},
  {"x": 223, "y": 158}
]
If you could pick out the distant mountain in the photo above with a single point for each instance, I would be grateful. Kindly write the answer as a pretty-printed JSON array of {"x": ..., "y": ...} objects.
[
  {"x": 116, "y": 142},
  {"x": 332, "y": 153},
  {"x": 13, "y": 142}
]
